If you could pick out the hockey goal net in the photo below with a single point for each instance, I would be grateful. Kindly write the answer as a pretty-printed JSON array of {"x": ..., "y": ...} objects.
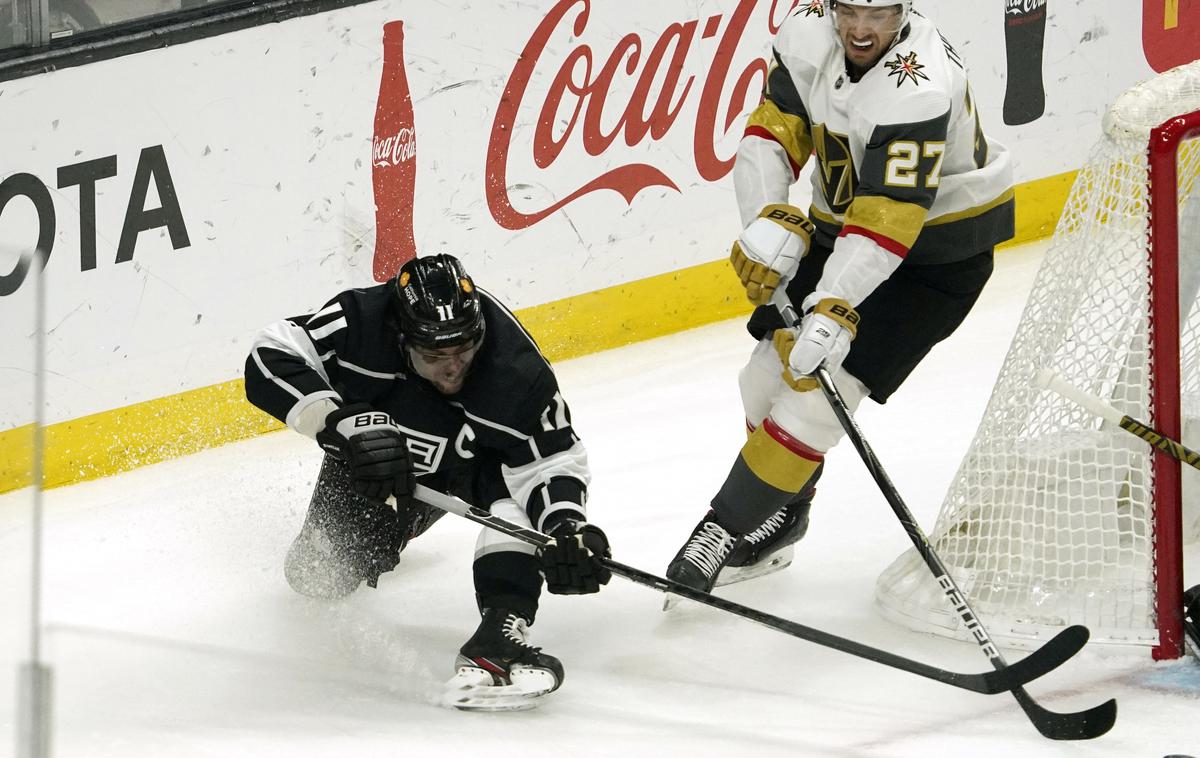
[{"x": 1054, "y": 516}]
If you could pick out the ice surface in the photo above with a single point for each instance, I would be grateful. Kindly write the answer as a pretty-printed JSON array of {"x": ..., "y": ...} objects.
[{"x": 171, "y": 631}]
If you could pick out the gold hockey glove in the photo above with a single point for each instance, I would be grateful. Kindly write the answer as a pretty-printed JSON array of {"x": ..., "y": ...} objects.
[
  {"x": 769, "y": 249},
  {"x": 823, "y": 337}
]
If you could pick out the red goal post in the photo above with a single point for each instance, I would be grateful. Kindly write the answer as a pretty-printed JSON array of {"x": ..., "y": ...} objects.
[{"x": 1165, "y": 145}]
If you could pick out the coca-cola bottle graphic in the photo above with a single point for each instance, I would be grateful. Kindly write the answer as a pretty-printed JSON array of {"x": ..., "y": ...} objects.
[
  {"x": 1024, "y": 37},
  {"x": 393, "y": 160}
]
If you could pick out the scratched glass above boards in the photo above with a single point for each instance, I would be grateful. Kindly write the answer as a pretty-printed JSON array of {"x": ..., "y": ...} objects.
[{"x": 34, "y": 23}]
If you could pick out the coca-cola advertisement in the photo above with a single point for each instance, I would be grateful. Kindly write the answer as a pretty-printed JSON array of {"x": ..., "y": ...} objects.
[
  {"x": 632, "y": 93},
  {"x": 393, "y": 161},
  {"x": 584, "y": 118},
  {"x": 1024, "y": 42},
  {"x": 592, "y": 129},
  {"x": 576, "y": 154}
]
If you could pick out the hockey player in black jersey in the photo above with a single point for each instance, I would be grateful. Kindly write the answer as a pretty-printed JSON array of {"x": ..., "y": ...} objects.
[
  {"x": 427, "y": 378},
  {"x": 909, "y": 198}
]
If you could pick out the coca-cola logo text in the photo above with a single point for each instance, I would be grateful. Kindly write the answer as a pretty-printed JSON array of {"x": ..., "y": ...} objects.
[
  {"x": 393, "y": 150},
  {"x": 1020, "y": 7},
  {"x": 582, "y": 90}
]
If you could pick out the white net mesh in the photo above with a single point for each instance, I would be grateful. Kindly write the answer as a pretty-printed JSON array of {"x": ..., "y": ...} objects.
[{"x": 1049, "y": 520}]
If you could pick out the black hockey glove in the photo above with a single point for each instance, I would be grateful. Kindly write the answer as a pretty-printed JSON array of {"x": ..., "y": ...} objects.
[
  {"x": 371, "y": 444},
  {"x": 571, "y": 563}
]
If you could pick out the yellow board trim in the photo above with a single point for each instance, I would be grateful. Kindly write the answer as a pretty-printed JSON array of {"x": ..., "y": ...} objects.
[
  {"x": 156, "y": 430},
  {"x": 134, "y": 436},
  {"x": 1039, "y": 204}
]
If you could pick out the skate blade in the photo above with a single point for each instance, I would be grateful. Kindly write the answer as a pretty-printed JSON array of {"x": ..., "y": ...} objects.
[
  {"x": 777, "y": 561},
  {"x": 472, "y": 689}
]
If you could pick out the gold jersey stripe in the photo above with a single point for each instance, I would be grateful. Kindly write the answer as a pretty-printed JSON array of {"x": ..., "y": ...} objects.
[
  {"x": 822, "y": 216},
  {"x": 789, "y": 131},
  {"x": 972, "y": 212},
  {"x": 886, "y": 217},
  {"x": 978, "y": 210},
  {"x": 775, "y": 464}
]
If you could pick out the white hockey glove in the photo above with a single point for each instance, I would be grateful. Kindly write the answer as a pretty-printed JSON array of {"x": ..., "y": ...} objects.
[
  {"x": 823, "y": 337},
  {"x": 769, "y": 249},
  {"x": 371, "y": 444}
]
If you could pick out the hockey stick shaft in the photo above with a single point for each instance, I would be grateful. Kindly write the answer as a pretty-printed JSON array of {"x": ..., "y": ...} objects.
[
  {"x": 940, "y": 574},
  {"x": 955, "y": 596},
  {"x": 1058, "y": 726},
  {"x": 1047, "y": 379},
  {"x": 1047, "y": 658}
]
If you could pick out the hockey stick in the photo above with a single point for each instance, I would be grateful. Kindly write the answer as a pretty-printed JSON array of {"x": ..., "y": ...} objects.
[
  {"x": 1082, "y": 725},
  {"x": 1045, "y": 659},
  {"x": 1047, "y": 379}
]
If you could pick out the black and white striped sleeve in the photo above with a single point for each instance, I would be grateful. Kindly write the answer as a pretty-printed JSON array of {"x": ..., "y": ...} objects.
[
  {"x": 547, "y": 470},
  {"x": 292, "y": 365}
]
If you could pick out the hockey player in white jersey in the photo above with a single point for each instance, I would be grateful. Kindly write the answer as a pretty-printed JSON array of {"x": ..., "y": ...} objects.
[{"x": 909, "y": 199}]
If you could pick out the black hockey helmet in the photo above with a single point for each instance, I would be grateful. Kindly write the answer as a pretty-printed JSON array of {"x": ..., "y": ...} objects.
[{"x": 437, "y": 303}]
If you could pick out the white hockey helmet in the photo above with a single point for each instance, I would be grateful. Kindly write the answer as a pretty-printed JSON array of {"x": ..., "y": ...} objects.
[{"x": 905, "y": 8}]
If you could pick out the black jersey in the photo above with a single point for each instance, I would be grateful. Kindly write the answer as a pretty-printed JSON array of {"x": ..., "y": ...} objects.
[{"x": 508, "y": 424}]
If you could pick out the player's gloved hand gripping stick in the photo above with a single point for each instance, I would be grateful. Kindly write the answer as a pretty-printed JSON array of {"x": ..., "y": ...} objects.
[
  {"x": 1082, "y": 725},
  {"x": 573, "y": 558}
]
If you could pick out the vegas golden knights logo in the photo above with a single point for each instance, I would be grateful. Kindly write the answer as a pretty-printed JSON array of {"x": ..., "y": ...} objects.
[{"x": 836, "y": 168}]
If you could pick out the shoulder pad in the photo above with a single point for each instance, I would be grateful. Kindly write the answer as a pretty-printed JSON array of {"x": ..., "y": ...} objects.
[{"x": 914, "y": 81}]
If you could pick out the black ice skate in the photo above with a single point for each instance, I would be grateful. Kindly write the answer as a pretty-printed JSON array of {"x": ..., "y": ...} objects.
[
  {"x": 702, "y": 557},
  {"x": 768, "y": 548},
  {"x": 498, "y": 670}
]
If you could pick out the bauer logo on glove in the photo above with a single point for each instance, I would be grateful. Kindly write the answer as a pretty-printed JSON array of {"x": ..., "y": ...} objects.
[
  {"x": 823, "y": 338},
  {"x": 371, "y": 444},
  {"x": 789, "y": 216},
  {"x": 365, "y": 420},
  {"x": 842, "y": 310},
  {"x": 769, "y": 249}
]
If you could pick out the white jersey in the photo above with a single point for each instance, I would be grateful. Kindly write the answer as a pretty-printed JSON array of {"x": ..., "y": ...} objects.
[{"x": 901, "y": 156}]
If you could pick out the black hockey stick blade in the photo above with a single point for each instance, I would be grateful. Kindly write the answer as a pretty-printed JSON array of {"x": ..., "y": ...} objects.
[
  {"x": 986, "y": 683},
  {"x": 1056, "y": 726},
  {"x": 1080, "y": 725},
  {"x": 1044, "y": 659},
  {"x": 1060, "y": 649}
]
